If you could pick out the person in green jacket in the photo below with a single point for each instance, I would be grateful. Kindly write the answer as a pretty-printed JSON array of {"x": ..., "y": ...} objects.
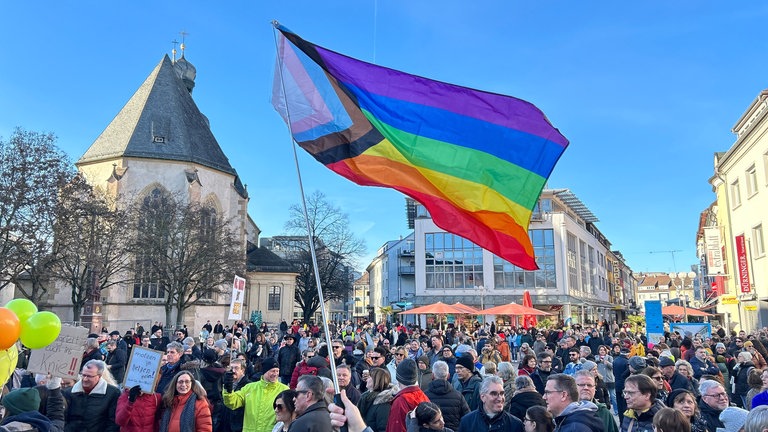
[
  {"x": 585, "y": 382},
  {"x": 256, "y": 397}
]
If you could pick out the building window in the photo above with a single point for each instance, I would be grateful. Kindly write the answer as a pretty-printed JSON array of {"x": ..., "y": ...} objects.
[
  {"x": 571, "y": 254},
  {"x": 758, "y": 240},
  {"x": 735, "y": 194},
  {"x": 274, "y": 298},
  {"x": 508, "y": 276},
  {"x": 153, "y": 214},
  {"x": 452, "y": 262},
  {"x": 751, "y": 175},
  {"x": 583, "y": 266}
]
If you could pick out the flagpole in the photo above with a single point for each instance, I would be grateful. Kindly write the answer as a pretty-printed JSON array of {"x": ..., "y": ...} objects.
[{"x": 310, "y": 236}]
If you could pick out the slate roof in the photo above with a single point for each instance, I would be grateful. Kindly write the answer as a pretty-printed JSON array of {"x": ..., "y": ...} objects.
[
  {"x": 161, "y": 121},
  {"x": 261, "y": 259}
]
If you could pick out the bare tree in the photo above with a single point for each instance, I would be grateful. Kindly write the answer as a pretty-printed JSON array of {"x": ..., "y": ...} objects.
[
  {"x": 32, "y": 170},
  {"x": 90, "y": 251},
  {"x": 337, "y": 250},
  {"x": 185, "y": 252}
]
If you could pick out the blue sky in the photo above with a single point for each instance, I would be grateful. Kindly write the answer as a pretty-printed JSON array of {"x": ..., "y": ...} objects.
[{"x": 646, "y": 92}]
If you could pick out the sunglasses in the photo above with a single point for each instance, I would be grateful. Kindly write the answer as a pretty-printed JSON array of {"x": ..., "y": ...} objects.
[
  {"x": 279, "y": 407},
  {"x": 375, "y": 357}
]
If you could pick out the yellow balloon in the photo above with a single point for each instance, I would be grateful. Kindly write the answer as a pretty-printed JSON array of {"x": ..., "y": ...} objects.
[
  {"x": 8, "y": 360},
  {"x": 39, "y": 330},
  {"x": 22, "y": 307}
]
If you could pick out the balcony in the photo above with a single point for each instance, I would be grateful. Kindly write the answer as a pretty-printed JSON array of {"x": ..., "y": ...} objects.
[{"x": 406, "y": 270}]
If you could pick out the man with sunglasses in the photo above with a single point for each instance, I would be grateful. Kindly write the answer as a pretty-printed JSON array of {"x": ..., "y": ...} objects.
[
  {"x": 490, "y": 415},
  {"x": 373, "y": 358}
]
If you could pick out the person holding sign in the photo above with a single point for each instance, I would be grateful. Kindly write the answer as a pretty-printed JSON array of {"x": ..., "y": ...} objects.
[
  {"x": 256, "y": 397},
  {"x": 136, "y": 410},
  {"x": 185, "y": 406}
]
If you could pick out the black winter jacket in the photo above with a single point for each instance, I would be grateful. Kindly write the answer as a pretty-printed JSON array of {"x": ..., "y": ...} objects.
[
  {"x": 451, "y": 402},
  {"x": 91, "y": 412},
  {"x": 478, "y": 421},
  {"x": 519, "y": 404}
]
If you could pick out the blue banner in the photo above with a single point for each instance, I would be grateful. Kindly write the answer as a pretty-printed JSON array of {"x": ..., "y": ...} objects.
[{"x": 654, "y": 323}]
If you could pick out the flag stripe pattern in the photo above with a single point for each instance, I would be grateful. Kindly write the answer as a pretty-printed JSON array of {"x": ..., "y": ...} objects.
[{"x": 476, "y": 160}]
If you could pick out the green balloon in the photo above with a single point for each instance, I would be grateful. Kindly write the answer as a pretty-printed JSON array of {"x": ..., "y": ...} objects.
[
  {"x": 39, "y": 330},
  {"x": 23, "y": 308}
]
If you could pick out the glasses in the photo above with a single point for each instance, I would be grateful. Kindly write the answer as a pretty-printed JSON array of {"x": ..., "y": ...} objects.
[
  {"x": 496, "y": 394},
  {"x": 302, "y": 391},
  {"x": 718, "y": 395},
  {"x": 375, "y": 357},
  {"x": 187, "y": 382},
  {"x": 336, "y": 347},
  {"x": 278, "y": 407},
  {"x": 546, "y": 361},
  {"x": 629, "y": 392},
  {"x": 548, "y": 392},
  {"x": 399, "y": 355},
  {"x": 585, "y": 385}
]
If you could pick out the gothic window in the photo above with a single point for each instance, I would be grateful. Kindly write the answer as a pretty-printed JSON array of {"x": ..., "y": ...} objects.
[{"x": 146, "y": 281}]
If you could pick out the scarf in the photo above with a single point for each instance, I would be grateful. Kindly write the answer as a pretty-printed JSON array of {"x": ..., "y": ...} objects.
[{"x": 187, "y": 420}]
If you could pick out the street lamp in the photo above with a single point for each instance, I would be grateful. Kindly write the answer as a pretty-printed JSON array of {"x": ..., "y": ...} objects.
[{"x": 682, "y": 276}]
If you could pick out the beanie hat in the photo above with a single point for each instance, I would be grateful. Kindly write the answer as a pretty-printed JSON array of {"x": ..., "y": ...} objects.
[
  {"x": 637, "y": 363},
  {"x": 674, "y": 393},
  {"x": 466, "y": 361},
  {"x": 115, "y": 333},
  {"x": 733, "y": 418},
  {"x": 268, "y": 363},
  {"x": 22, "y": 400},
  {"x": 748, "y": 344},
  {"x": 424, "y": 359},
  {"x": 588, "y": 365},
  {"x": 210, "y": 356},
  {"x": 665, "y": 361},
  {"x": 407, "y": 372},
  {"x": 720, "y": 345},
  {"x": 221, "y": 344}
]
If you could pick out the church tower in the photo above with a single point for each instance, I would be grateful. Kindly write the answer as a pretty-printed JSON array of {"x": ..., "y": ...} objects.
[{"x": 160, "y": 143}]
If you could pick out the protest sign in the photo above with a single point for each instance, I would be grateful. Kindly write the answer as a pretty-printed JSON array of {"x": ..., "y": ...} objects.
[
  {"x": 238, "y": 294},
  {"x": 62, "y": 357},
  {"x": 143, "y": 369}
]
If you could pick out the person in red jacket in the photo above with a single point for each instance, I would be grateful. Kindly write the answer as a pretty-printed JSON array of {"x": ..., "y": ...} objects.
[
  {"x": 136, "y": 410},
  {"x": 184, "y": 403},
  {"x": 408, "y": 398},
  {"x": 302, "y": 368}
]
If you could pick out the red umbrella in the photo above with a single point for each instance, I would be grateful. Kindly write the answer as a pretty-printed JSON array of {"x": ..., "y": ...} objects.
[
  {"x": 675, "y": 310},
  {"x": 438, "y": 308},
  {"x": 467, "y": 309},
  {"x": 528, "y": 320},
  {"x": 513, "y": 309}
]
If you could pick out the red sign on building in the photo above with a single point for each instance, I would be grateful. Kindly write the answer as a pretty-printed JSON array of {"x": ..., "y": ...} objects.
[{"x": 741, "y": 259}]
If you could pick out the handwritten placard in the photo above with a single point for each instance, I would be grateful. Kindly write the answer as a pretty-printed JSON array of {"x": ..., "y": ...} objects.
[
  {"x": 143, "y": 369},
  {"x": 62, "y": 357}
]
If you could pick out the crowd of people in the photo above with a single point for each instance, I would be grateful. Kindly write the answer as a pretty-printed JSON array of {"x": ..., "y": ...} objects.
[{"x": 397, "y": 378}]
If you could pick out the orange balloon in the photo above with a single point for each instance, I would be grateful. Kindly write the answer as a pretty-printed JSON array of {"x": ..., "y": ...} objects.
[{"x": 10, "y": 328}]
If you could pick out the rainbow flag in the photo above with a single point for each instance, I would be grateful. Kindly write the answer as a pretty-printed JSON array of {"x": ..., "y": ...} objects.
[{"x": 476, "y": 160}]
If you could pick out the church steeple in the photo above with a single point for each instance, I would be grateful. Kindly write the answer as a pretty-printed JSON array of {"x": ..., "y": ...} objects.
[{"x": 184, "y": 69}]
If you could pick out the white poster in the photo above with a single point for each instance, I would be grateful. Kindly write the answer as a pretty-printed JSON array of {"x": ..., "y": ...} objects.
[
  {"x": 238, "y": 294},
  {"x": 713, "y": 246}
]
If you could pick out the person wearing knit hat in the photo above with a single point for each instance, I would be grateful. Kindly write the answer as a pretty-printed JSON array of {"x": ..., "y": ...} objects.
[
  {"x": 257, "y": 397},
  {"x": 469, "y": 381},
  {"x": 425, "y": 372},
  {"x": 636, "y": 364},
  {"x": 408, "y": 398},
  {"x": 22, "y": 405},
  {"x": 733, "y": 418}
]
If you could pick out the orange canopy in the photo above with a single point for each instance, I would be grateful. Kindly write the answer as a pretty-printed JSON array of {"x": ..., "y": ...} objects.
[
  {"x": 675, "y": 310},
  {"x": 438, "y": 308},
  {"x": 513, "y": 309},
  {"x": 467, "y": 309}
]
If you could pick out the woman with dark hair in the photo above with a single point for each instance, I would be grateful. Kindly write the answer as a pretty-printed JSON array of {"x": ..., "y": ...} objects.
[
  {"x": 285, "y": 410},
  {"x": 186, "y": 407},
  {"x": 538, "y": 419},
  {"x": 527, "y": 366},
  {"x": 376, "y": 402},
  {"x": 670, "y": 420},
  {"x": 426, "y": 417},
  {"x": 684, "y": 401}
]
